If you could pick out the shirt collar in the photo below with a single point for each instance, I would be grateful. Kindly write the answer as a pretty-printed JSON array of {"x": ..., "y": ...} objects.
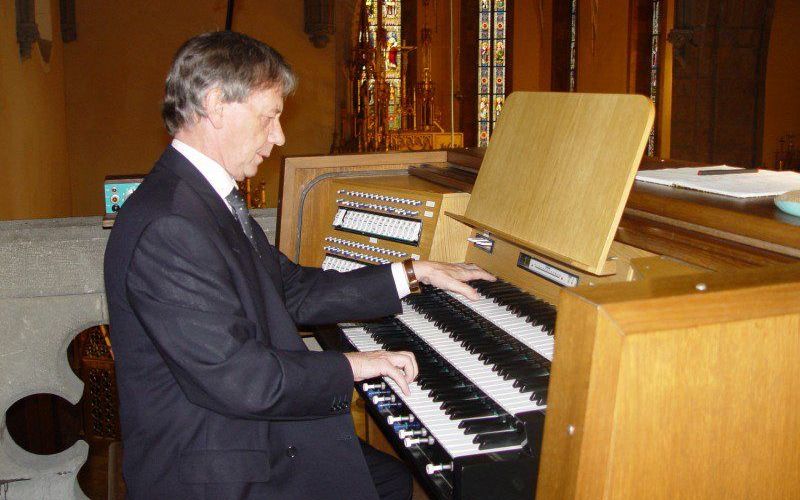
[{"x": 214, "y": 173}]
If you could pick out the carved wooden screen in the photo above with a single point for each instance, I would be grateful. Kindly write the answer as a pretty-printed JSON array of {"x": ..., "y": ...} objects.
[{"x": 719, "y": 67}]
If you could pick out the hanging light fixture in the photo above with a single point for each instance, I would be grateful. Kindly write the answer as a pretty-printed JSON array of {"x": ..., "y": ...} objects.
[
  {"x": 319, "y": 21},
  {"x": 27, "y": 31}
]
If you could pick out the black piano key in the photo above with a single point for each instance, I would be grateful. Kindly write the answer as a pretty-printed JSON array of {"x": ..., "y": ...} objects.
[
  {"x": 465, "y": 392},
  {"x": 455, "y": 406},
  {"x": 497, "y": 363},
  {"x": 530, "y": 380},
  {"x": 519, "y": 378},
  {"x": 473, "y": 413},
  {"x": 531, "y": 386},
  {"x": 508, "y": 357},
  {"x": 488, "y": 425},
  {"x": 521, "y": 370},
  {"x": 499, "y": 439},
  {"x": 539, "y": 397}
]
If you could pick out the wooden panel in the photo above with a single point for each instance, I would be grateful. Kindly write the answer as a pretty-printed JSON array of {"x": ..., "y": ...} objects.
[
  {"x": 661, "y": 267},
  {"x": 756, "y": 218},
  {"x": 571, "y": 166},
  {"x": 693, "y": 247},
  {"x": 450, "y": 238},
  {"x": 660, "y": 389},
  {"x": 470, "y": 158},
  {"x": 736, "y": 384},
  {"x": 576, "y": 436}
]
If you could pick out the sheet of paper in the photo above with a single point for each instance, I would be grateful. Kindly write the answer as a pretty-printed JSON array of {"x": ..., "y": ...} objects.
[{"x": 746, "y": 185}]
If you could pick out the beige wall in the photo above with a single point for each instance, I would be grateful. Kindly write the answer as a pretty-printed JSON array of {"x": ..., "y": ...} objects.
[
  {"x": 95, "y": 109},
  {"x": 115, "y": 75},
  {"x": 782, "y": 92},
  {"x": 34, "y": 178}
]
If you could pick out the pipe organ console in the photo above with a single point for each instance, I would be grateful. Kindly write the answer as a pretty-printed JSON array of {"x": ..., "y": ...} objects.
[{"x": 640, "y": 350}]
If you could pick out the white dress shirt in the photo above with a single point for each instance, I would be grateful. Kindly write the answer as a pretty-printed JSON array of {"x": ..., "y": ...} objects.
[{"x": 223, "y": 183}]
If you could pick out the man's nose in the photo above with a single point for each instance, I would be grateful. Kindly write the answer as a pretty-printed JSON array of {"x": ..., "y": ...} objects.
[{"x": 276, "y": 134}]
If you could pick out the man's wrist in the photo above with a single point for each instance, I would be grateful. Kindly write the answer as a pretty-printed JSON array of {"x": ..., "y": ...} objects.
[
  {"x": 400, "y": 280},
  {"x": 413, "y": 282}
]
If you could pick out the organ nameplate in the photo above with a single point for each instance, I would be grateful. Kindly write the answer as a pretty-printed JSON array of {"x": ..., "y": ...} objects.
[{"x": 546, "y": 271}]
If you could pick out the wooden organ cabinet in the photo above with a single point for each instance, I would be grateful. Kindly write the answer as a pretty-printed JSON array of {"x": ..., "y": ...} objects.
[{"x": 641, "y": 341}]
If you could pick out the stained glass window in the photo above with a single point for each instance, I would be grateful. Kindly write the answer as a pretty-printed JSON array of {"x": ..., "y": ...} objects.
[
  {"x": 392, "y": 60},
  {"x": 655, "y": 35},
  {"x": 573, "y": 44},
  {"x": 491, "y": 65}
]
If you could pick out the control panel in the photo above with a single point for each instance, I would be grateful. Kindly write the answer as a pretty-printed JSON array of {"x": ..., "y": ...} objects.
[
  {"x": 117, "y": 189},
  {"x": 382, "y": 219}
]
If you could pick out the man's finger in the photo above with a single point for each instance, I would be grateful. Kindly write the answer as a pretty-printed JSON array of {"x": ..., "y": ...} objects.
[
  {"x": 465, "y": 290},
  {"x": 414, "y": 371},
  {"x": 475, "y": 272},
  {"x": 405, "y": 360},
  {"x": 480, "y": 274},
  {"x": 399, "y": 377},
  {"x": 416, "y": 367}
]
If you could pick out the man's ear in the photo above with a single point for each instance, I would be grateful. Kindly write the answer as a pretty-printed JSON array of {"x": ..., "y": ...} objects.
[{"x": 214, "y": 106}]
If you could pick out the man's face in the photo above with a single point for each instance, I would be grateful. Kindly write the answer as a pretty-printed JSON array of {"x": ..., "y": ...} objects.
[{"x": 249, "y": 131}]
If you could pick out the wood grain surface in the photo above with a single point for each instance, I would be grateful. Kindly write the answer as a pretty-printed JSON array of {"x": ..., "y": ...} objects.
[
  {"x": 678, "y": 387},
  {"x": 558, "y": 170}
]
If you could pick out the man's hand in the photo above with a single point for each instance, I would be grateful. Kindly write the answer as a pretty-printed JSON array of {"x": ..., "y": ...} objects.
[
  {"x": 400, "y": 366},
  {"x": 451, "y": 276}
]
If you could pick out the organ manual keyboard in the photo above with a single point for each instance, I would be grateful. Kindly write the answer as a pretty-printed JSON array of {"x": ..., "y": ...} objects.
[
  {"x": 592, "y": 368},
  {"x": 476, "y": 407}
]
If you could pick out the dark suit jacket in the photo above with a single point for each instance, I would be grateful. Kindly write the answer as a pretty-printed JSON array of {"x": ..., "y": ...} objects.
[{"x": 219, "y": 397}]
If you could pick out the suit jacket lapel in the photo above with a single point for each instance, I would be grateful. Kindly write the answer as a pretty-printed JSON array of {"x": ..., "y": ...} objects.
[
  {"x": 183, "y": 168},
  {"x": 229, "y": 225}
]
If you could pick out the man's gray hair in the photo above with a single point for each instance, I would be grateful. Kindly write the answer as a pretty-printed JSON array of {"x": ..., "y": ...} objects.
[{"x": 235, "y": 63}]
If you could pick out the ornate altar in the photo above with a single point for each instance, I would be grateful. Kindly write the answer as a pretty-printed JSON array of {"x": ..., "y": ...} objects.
[{"x": 386, "y": 112}]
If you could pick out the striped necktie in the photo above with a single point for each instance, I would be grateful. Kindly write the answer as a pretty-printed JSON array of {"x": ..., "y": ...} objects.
[{"x": 242, "y": 214}]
